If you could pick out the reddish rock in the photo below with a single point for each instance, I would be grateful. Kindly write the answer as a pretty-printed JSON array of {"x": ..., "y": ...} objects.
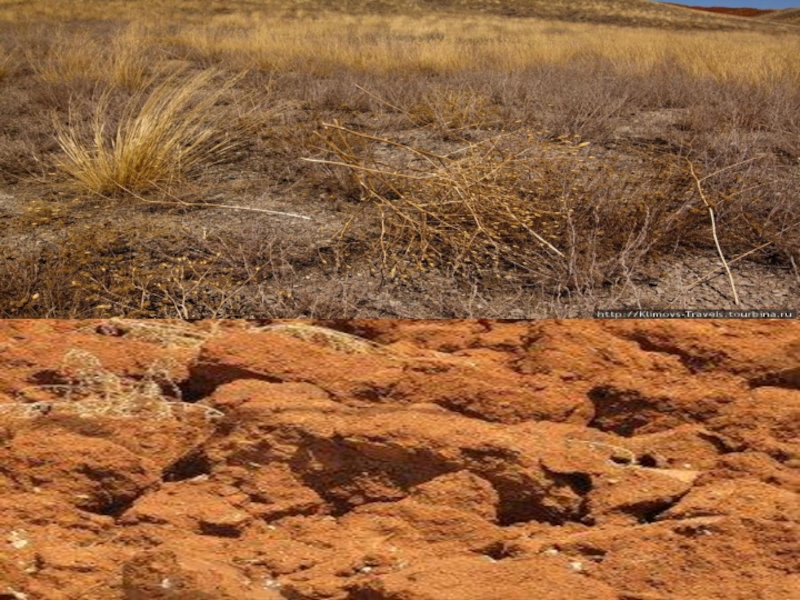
[
  {"x": 388, "y": 460},
  {"x": 94, "y": 474},
  {"x": 463, "y": 577},
  {"x": 768, "y": 420},
  {"x": 637, "y": 495},
  {"x": 682, "y": 447},
  {"x": 736, "y": 497},
  {"x": 189, "y": 506},
  {"x": 162, "y": 574}
]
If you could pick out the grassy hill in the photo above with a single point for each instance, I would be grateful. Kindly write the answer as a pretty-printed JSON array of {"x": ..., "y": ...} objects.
[
  {"x": 620, "y": 12},
  {"x": 723, "y": 10},
  {"x": 790, "y": 15},
  {"x": 616, "y": 12}
]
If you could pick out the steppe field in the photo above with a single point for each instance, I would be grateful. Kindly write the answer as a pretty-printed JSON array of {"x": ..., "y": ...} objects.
[{"x": 409, "y": 158}]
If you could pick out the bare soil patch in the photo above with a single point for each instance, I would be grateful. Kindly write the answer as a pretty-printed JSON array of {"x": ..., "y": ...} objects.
[{"x": 386, "y": 460}]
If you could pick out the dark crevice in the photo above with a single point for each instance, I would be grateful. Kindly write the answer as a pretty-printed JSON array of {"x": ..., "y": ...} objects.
[
  {"x": 113, "y": 509},
  {"x": 651, "y": 515},
  {"x": 290, "y": 594},
  {"x": 648, "y": 512},
  {"x": 622, "y": 460},
  {"x": 596, "y": 555},
  {"x": 645, "y": 460},
  {"x": 192, "y": 393},
  {"x": 513, "y": 510},
  {"x": 205, "y": 378},
  {"x": 187, "y": 467},
  {"x": 47, "y": 377},
  {"x": 787, "y": 379},
  {"x": 520, "y": 504},
  {"x": 498, "y": 550},
  {"x": 580, "y": 483},
  {"x": 478, "y": 414},
  {"x": 693, "y": 362},
  {"x": 719, "y": 444},
  {"x": 619, "y": 412},
  {"x": 219, "y": 530}
]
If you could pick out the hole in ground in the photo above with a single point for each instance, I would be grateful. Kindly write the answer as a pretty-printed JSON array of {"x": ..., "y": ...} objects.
[
  {"x": 497, "y": 551},
  {"x": 646, "y": 460}
]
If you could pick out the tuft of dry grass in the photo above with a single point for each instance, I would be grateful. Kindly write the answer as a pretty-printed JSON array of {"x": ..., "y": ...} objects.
[
  {"x": 91, "y": 391},
  {"x": 166, "y": 332},
  {"x": 162, "y": 135}
]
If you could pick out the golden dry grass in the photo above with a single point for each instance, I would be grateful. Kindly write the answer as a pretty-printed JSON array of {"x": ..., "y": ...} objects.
[
  {"x": 625, "y": 12},
  {"x": 790, "y": 15},
  {"x": 163, "y": 134},
  {"x": 398, "y": 44},
  {"x": 450, "y": 43},
  {"x": 270, "y": 36}
]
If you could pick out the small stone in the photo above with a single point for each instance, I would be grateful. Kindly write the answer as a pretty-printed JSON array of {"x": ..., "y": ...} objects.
[{"x": 576, "y": 566}]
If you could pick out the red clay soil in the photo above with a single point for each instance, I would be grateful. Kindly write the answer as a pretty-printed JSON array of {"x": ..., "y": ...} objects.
[
  {"x": 399, "y": 460},
  {"x": 736, "y": 12}
]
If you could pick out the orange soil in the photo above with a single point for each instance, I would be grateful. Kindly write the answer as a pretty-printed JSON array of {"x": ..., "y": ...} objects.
[{"x": 463, "y": 460}]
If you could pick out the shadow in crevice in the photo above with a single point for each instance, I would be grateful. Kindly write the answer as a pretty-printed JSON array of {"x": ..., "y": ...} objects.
[
  {"x": 191, "y": 465},
  {"x": 787, "y": 379},
  {"x": 621, "y": 412}
]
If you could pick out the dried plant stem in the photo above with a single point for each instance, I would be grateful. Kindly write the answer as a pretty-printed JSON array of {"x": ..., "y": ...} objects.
[
  {"x": 178, "y": 202},
  {"x": 714, "y": 232}
]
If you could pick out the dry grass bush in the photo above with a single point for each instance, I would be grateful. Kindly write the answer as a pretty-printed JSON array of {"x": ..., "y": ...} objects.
[
  {"x": 166, "y": 332},
  {"x": 333, "y": 339},
  {"x": 465, "y": 211},
  {"x": 161, "y": 135},
  {"x": 90, "y": 391},
  {"x": 455, "y": 110},
  {"x": 66, "y": 59},
  {"x": 502, "y": 207}
]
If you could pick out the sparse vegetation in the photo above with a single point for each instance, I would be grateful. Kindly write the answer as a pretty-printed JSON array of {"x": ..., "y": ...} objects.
[{"x": 451, "y": 161}]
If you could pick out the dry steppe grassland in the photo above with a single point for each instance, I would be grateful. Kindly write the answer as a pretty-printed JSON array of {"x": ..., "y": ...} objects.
[{"x": 410, "y": 159}]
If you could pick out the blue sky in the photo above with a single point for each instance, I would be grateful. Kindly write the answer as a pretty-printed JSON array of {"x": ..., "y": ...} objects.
[{"x": 762, "y": 4}]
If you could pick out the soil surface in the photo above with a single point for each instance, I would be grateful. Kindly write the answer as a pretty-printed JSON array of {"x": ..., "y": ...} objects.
[{"x": 399, "y": 460}]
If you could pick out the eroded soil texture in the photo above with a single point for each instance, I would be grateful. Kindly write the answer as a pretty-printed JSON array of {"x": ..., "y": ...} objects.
[{"x": 399, "y": 460}]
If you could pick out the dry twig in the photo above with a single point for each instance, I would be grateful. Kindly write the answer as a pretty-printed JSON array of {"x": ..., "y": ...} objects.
[{"x": 710, "y": 208}]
